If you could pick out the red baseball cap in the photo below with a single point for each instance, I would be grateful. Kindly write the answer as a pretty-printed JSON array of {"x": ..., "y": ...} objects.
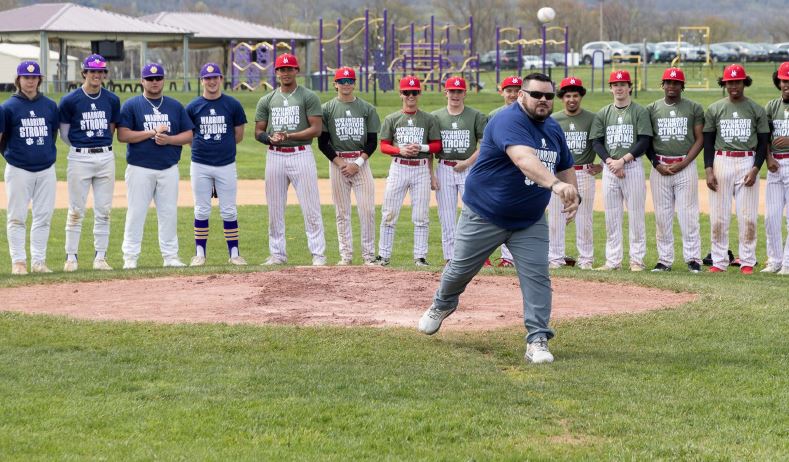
[
  {"x": 344, "y": 73},
  {"x": 783, "y": 71},
  {"x": 734, "y": 72},
  {"x": 286, "y": 60},
  {"x": 674, "y": 73},
  {"x": 571, "y": 81},
  {"x": 512, "y": 81},
  {"x": 455, "y": 83},
  {"x": 619, "y": 76},
  {"x": 410, "y": 82}
]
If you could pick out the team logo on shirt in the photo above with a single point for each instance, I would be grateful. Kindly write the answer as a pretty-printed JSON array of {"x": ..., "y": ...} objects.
[
  {"x": 33, "y": 127},
  {"x": 780, "y": 128},
  {"x": 735, "y": 129},
  {"x": 734, "y": 114},
  {"x": 92, "y": 106},
  {"x": 548, "y": 157},
  {"x": 32, "y": 113},
  {"x": 285, "y": 118},
  {"x": 672, "y": 128},
  {"x": 93, "y": 122},
  {"x": 213, "y": 125},
  {"x": 572, "y": 126},
  {"x": 349, "y": 128},
  {"x": 410, "y": 123},
  {"x": 348, "y": 111},
  {"x": 672, "y": 113},
  {"x": 786, "y": 113},
  {"x": 454, "y": 140},
  {"x": 620, "y": 120},
  {"x": 619, "y": 135},
  {"x": 409, "y": 135},
  {"x": 454, "y": 125}
]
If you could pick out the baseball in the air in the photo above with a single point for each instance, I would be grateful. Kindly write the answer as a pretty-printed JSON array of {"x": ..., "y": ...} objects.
[{"x": 546, "y": 14}]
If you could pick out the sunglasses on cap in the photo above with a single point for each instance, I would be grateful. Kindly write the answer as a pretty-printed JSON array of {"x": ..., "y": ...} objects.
[
  {"x": 410, "y": 92},
  {"x": 345, "y": 81},
  {"x": 539, "y": 95},
  {"x": 156, "y": 78}
]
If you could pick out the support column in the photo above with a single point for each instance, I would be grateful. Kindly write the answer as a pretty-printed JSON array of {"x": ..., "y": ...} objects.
[
  {"x": 186, "y": 63},
  {"x": 43, "y": 61}
]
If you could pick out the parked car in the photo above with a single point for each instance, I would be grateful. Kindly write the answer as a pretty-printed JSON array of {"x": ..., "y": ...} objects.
[
  {"x": 722, "y": 54},
  {"x": 508, "y": 59},
  {"x": 634, "y": 49},
  {"x": 535, "y": 62},
  {"x": 609, "y": 50},
  {"x": 775, "y": 53},
  {"x": 665, "y": 52},
  {"x": 556, "y": 58},
  {"x": 746, "y": 51}
]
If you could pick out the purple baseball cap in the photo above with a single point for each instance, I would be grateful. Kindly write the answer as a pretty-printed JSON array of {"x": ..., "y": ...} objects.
[
  {"x": 94, "y": 62},
  {"x": 28, "y": 68},
  {"x": 210, "y": 70},
  {"x": 152, "y": 70}
]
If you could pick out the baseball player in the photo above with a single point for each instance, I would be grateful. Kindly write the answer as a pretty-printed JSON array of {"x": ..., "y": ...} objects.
[
  {"x": 219, "y": 122},
  {"x": 736, "y": 136},
  {"x": 461, "y": 129},
  {"x": 508, "y": 89},
  {"x": 88, "y": 117},
  {"x": 677, "y": 123},
  {"x": 349, "y": 138},
  {"x": 155, "y": 127},
  {"x": 576, "y": 124},
  {"x": 287, "y": 119},
  {"x": 411, "y": 136},
  {"x": 30, "y": 123},
  {"x": 777, "y": 190},
  {"x": 622, "y": 132}
]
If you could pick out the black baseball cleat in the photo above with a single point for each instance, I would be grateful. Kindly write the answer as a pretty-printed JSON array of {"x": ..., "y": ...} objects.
[
  {"x": 661, "y": 268},
  {"x": 694, "y": 267},
  {"x": 421, "y": 262},
  {"x": 380, "y": 261}
]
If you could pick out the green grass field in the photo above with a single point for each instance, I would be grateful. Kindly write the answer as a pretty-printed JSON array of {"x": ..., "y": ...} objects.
[{"x": 705, "y": 381}]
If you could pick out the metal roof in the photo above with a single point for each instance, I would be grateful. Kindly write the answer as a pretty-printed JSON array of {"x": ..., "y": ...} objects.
[
  {"x": 24, "y": 51},
  {"x": 214, "y": 28},
  {"x": 75, "y": 22}
]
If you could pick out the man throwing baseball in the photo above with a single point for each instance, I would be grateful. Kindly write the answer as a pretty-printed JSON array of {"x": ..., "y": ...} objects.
[
  {"x": 88, "y": 117},
  {"x": 677, "y": 123},
  {"x": 219, "y": 122},
  {"x": 523, "y": 159},
  {"x": 411, "y": 136},
  {"x": 286, "y": 120},
  {"x": 349, "y": 138},
  {"x": 155, "y": 126}
]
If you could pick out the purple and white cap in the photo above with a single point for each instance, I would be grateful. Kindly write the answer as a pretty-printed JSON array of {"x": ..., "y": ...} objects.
[
  {"x": 152, "y": 70},
  {"x": 28, "y": 68},
  {"x": 95, "y": 63},
  {"x": 210, "y": 70}
]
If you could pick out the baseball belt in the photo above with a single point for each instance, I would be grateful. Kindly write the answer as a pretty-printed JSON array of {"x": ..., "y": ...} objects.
[
  {"x": 288, "y": 150},
  {"x": 349, "y": 154},
  {"x": 781, "y": 156},
  {"x": 93, "y": 150},
  {"x": 583, "y": 166},
  {"x": 449, "y": 163},
  {"x": 734, "y": 153},
  {"x": 669, "y": 159},
  {"x": 409, "y": 162}
]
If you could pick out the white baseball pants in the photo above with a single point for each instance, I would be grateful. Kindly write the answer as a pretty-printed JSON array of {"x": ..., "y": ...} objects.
[
  {"x": 451, "y": 185},
  {"x": 730, "y": 172},
  {"x": 363, "y": 186},
  {"x": 142, "y": 186},
  {"x": 777, "y": 199},
  {"x": 618, "y": 193},
  {"x": 207, "y": 177},
  {"x": 81, "y": 175},
  {"x": 678, "y": 192},
  {"x": 557, "y": 222},
  {"x": 402, "y": 179},
  {"x": 23, "y": 187}
]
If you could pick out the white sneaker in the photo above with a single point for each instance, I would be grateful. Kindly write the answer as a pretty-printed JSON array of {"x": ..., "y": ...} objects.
[
  {"x": 101, "y": 265},
  {"x": 537, "y": 352},
  {"x": 197, "y": 260},
  {"x": 272, "y": 260},
  {"x": 39, "y": 267},
  {"x": 370, "y": 262},
  {"x": 784, "y": 271},
  {"x": 238, "y": 260},
  {"x": 70, "y": 266},
  {"x": 318, "y": 260},
  {"x": 605, "y": 267},
  {"x": 771, "y": 268},
  {"x": 554, "y": 265},
  {"x": 173, "y": 262},
  {"x": 129, "y": 263},
  {"x": 344, "y": 262},
  {"x": 585, "y": 266},
  {"x": 19, "y": 268},
  {"x": 636, "y": 267},
  {"x": 431, "y": 320}
]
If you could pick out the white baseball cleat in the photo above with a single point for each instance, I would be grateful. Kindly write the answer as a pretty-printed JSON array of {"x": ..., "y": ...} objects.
[
  {"x": 70, "y": 266},
  {"x": 238, "y": 260},
  {"x": 173, "y": 262},
  {"x": 554, "y": 265},
  {"x": 771, "y": 268},
  {"x": 129, "y": 263},
  {"x": 197, "y": 260},
  {"x": 537, "y": 352},
  {"x": 19, "y": 268},
  {"x": 370, "y": 262},
  {"x": 39, "y": 267},
  {"x": 784, "y": 271},
  {"x": 431, "y": 320},
  {"x": 585, "y": 266},
  {"x": 272, "y": 260},
  {"x": 318, "y": 260},
  {"x": 101, "y": 265},
  {"x": 344, "y": 262}
]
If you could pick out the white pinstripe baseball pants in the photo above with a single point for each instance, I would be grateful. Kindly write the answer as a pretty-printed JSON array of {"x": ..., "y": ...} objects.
[
  {"x": 363, "y": 187},
  {"x": 730, "y": 172},
  {"x": 629, "y": 192},
  {"x": 401, "y": 180},
  {"x": 777, "y": 199},
  {"x": 451, "y": 186},
  {"x": 282, "y": 169},
  {"x": 678, "y": 192},
  {"x": 557, "y": 222}
]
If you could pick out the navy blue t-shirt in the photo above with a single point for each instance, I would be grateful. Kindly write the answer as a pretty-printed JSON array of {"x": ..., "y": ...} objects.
[
  {"x": 214, "y": 140},
  {"x": 29, "y": 130},
  {"x": 138, "y": 114},
  {"x": 496, "y": 189},
  {"x": 90, "y": 118}
]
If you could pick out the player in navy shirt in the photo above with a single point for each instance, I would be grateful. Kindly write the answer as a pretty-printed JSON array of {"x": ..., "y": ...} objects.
[
  {"x": 219, "y": 125},
  {"x": 523, "y": 159},
  {"x": 88, "y": 117},
  {"x": 155, "y": 126},
  {"x": 30, "y": 124}
]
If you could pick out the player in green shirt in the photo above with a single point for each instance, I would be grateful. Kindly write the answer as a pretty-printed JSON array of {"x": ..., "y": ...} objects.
[{"x": 622, "y": 132}]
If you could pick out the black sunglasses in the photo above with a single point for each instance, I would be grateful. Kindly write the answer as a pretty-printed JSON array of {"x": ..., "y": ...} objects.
[
  {"x": 157, "y": 78},
  {"x": 410, "y": 92},
  {"x": 540, "y": 95}
]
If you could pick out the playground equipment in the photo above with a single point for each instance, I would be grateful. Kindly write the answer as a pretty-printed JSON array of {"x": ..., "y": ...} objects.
[
  {"x": 520, "y": 42},
  {"x": 253, "y": 64},
  {"x": 426, "y": 50}
]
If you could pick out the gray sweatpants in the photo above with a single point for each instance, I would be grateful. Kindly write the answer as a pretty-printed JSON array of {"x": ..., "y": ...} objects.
[{"x": 475, "y": 239}]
